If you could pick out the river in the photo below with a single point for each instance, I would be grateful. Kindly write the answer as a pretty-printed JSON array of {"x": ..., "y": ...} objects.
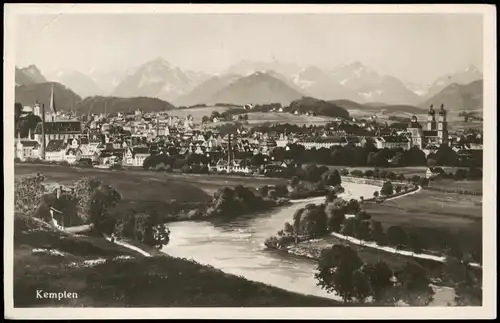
[{"x": 237, "y": 247}]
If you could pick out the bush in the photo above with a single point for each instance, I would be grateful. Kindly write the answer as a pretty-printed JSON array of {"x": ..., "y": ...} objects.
[
  {"x": 356, "y": 173},
  {"x": 387, "y": 189},
  {"x": 369, "y": 173},
  {"x": 460, "y": 174},
  {"x": 344, "y": 172}
]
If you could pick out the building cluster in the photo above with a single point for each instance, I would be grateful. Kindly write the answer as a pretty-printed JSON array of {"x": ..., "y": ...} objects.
[{"x": 130, "y": 138}]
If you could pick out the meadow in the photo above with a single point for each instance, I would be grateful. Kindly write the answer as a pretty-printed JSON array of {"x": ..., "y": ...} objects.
[
  {"x": 428, "y": 209},
  {"x": 104, "y": 274},
  {"x": 138, "y": 184},
  {"x": 440, "y": 220}
]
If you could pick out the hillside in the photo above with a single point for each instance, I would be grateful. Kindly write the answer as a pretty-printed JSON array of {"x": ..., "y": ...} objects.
[
  {"x": 104, "y": 274},
  {"x": 324, "y": 108},
  {"x": 377, "y": 107},
  {"x": 66, "y": 99},
  {"x": 80, "y": 83},
  {"x": 257, "y": 88},
  {"x": 101, "y": 104},
  {"x": 203, "y": 92},
  {"x": 457, "y": 97}
]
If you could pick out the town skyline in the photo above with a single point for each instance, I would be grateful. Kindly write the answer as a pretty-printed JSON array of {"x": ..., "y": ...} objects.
[{"x": 437, "y": 44}]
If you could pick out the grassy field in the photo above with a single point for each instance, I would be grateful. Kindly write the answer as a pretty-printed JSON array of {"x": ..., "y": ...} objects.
[
  {"x": 438, "y": 218},
  {"x": 133, "y": 185},
  {"x": 147, "y": 185},
  {"x": 256, "y": 118},
  {"x": 53, "y": 261},
  {"x": 449, "y": 184}
]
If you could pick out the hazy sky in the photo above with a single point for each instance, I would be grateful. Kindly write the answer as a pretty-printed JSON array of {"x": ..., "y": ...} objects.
[{"x": 416, "y": 47}]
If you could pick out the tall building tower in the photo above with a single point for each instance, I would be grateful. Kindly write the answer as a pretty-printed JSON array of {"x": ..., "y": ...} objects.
[
  {"x": 431, "y": 118},
  {"x": 37, "y": 110},
  {"x": 415, "y": 131},
  {"x": 52, "y": 105},
  {"x": 442, "y": 126}
]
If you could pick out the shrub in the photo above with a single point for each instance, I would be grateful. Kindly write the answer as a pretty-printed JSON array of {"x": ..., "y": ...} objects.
[
  {"x": 460, "y": 174},
  {"x": 387, "y": 189},
  {"x": 369, "y": 173},
  {"x": 356, "y": 173}
]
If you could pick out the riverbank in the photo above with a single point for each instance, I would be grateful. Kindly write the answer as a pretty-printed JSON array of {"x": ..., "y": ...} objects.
[{"x": 105, "y": 274}]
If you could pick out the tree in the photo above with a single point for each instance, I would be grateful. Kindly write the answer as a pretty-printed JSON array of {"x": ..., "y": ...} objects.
[
  {"x": 387, "y": 189},
  {"x": 336, "y": 217},
  {"x": 377, "y": 232},
  {"x": 294, "y": 181},
  {"x": 352, "y": 207},
  {"x": 336, "y": 272},
  {"x": 313, "y": 222},
  {"x": 94, "y": 199},
  {"x": 413, "y": 285},
  {"x": 379, "y": 277},
  {"x": 460, "y": 174},
  {"x": 348, "y": 227},
  {"x": 396, "y": 236},
  {"x": 28, "y": 192},
  {"x": 145, "y": 227},
  {"x": 18, "y": 108},
  {"x": 332, "y": 178},
  {"x": 467, "y": 285},
  {"x": 415, "y": 243},
  {"x": 330, "y": 196}
]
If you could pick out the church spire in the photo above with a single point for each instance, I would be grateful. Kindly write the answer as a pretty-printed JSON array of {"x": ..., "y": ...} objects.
[{"x": 52, "y": 103}]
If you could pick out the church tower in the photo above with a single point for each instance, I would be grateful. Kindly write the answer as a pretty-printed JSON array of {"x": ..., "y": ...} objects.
[
  {"x": 415, "y": 131},
  {"x": 52, "y": 105},
  {"x": 431, "y": 119},
  {"x": 442, "y": 126}
]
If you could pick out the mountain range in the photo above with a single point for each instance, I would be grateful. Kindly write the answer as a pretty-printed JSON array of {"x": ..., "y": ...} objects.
[
  {"x": 29, "y": 75},
  {"x": 155, "y": 79},
  {"x": 80, "y": 83},
  {"x": 262, "y": 82},
  {"x": 458, "y": 97}
]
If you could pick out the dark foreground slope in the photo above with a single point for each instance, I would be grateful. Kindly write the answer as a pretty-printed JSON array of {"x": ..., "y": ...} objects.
[{"x": 53, "y": 261}]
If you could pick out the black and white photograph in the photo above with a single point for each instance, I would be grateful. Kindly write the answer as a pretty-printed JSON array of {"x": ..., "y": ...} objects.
[{"x": 269, "y": 161}]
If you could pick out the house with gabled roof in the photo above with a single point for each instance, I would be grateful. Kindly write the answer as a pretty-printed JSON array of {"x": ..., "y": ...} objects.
[
  {"x": 55, "y": 150},
  {"x": 135, "y": 156},
  {"x": 27, "y": 149}
]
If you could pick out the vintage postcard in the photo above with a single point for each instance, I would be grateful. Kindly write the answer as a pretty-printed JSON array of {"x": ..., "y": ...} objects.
[{"x": 249, "y": 161}]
